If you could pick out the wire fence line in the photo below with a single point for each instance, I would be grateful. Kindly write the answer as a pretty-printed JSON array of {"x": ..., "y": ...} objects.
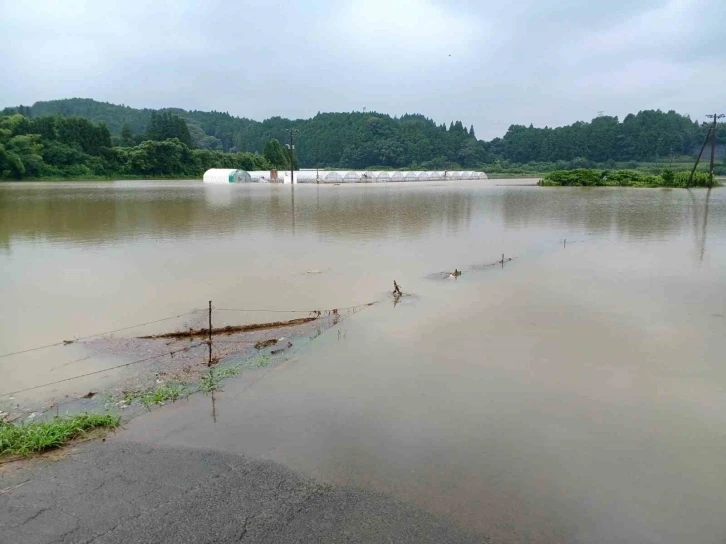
[
  {"x": 295, "y": 311},
  {"x": 82, "y": 338},
  {"x": 316, "y": 313},
  {"x": 186, "y": 348}
]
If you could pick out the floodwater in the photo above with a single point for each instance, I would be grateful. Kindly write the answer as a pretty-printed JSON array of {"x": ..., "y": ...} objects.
[{"x": 574, "y": 395}]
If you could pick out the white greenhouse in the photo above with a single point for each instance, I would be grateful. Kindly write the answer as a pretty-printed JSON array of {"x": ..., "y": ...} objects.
[
  {"x": 331, "y": 177},
  {"x": 226, "y": 175},
  {"x": 306, "y": 176},
  {"x": 351, "y": 177},
  {"x": 368, "y": 177},
  {"x": 230, "y": 175}
]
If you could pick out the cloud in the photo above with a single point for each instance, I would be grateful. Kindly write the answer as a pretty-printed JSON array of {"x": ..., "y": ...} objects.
[
  {"x": 511, "y": 62},
  {"x": 404, "y": 35}
]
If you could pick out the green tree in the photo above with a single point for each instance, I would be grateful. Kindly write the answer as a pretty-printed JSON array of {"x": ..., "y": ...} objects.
[
  {"x": 127, "y": 137},
  {"x": 277, "y": 155},
  {"x": 165, "y": 126}
]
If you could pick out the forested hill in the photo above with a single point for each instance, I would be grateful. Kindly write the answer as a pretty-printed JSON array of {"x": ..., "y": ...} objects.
[
  {"x": 346, "y": 140},
  {"x": 648, "y": 136},
  {"x": 364, "y": 140}
]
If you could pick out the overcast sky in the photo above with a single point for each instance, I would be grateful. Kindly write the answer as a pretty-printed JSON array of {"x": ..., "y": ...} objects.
[{"x": 487, "y": 63}]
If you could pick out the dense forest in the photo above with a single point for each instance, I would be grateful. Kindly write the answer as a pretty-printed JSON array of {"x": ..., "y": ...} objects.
[
  {"x": 78, "y": 137},
  {"x": 55, "y": 147}
]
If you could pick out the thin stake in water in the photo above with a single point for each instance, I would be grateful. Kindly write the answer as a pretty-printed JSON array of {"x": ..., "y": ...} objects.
[{"x": 209, "y": 364}]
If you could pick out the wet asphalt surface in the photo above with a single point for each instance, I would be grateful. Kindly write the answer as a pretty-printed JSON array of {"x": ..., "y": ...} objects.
[{"x": 109, "y": 492}]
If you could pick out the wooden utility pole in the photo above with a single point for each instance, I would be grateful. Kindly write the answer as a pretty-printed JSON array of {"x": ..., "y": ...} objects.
[
  {"x": 716, "y": 117},
  {"x": 292, "y": 154},
  {"x": 698, "y": 159}
]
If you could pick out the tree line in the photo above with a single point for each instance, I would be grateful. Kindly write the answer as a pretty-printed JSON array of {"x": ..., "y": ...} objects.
[
  {"x": 646, "y": 136},
  {"x": 55, "y": 147},
  {"x": 355, "y": 140}
]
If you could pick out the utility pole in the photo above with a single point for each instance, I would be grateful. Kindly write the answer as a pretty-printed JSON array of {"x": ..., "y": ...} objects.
[
  {"x": 716, "y": 117},
  {"x": 293, "y": 132},
  {"x": 709, "y": 132}
]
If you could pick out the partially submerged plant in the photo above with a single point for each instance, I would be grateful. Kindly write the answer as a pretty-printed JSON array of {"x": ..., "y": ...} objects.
[
  {"x": 259, "y": 362},
  {"x": 27, "y": 438},
  {"x": 156, "y": 395},
  {"x": 210, "y": 381}
]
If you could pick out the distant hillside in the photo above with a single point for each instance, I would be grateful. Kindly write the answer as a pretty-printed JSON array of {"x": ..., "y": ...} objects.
[
  {"x": 352, "y": 140},
  {"x": 364, "y": 140}
]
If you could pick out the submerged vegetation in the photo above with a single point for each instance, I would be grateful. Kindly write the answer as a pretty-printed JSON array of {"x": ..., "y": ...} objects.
[
  {"x": 211, "y": 380},
  {"x": 157, "y": 395},
  {"x": 585, "y": 177},
  {"x": 24, "y": 439}
]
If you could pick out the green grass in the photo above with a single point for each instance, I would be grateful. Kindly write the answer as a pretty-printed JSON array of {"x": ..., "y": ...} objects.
[
  {"x": 259, "y": 362},
  {"x": 27, "y": 438},
  {"x": 210, "y": 381},
  {"x": 156, "y": 395}
]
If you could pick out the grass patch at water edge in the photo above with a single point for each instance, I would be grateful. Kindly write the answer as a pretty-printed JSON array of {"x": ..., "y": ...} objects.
[
  {"x": 25, "y": 439},
  {"x": 157, "y": 395},
  {"x": 210, "y": 381},
  {"x": 258, "y": 362}
]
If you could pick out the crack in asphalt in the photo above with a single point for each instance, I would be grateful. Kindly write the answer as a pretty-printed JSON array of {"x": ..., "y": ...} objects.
[{"x": 31, "y": 518}]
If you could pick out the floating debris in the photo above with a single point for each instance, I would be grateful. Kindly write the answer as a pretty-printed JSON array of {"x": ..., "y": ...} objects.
[
  {"x": 262, "y": 344},
  {"x": 276, "y": 351},
  {"x": 397, "y": 289}
]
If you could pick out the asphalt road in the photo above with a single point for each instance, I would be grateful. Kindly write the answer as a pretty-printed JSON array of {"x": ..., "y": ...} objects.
[{"x": 110, "y": 492}]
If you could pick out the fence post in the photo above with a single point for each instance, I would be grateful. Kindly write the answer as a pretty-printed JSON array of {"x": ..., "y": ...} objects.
[{"x": 209, "y": 364}]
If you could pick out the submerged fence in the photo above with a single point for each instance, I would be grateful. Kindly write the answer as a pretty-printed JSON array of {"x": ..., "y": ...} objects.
[{"x": 207, "y": 333}]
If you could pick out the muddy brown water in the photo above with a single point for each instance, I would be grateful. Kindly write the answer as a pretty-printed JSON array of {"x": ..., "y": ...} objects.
[{"x": 574, "y": 395}]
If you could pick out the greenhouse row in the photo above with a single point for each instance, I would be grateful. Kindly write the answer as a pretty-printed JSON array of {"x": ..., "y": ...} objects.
[
  {"x": 336, "y": 176},
  {"x": 353, "y": 176}
]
